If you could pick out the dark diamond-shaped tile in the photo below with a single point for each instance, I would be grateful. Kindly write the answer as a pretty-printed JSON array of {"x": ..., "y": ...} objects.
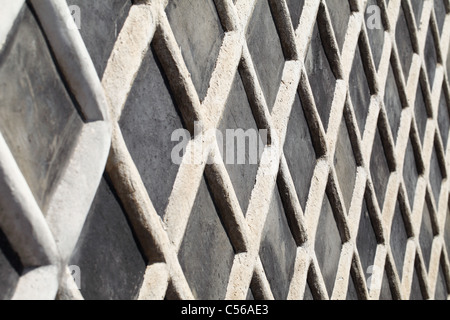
[
  {"x": 340, "y": 15},
  {"x": 206, "y": 254},
  {"x": 421, "y": 113},
  {"x": 198, "y": 31},
  {"x": 308, "y": 295},
  {"x": 399, "y": 238},
  {"x": 410, "y": 172},
  {"x": 250, "y": 295},
  {"x": 379, "y": 169},
  {"x": 33, "y": 94},
  {"x": 100, "y": 25},
  {"x": 299, "y": 151},
  {"x": 295, "y": 9},
  {"x": 385, "y": 291},
  {"x": 375, "y": 30},
  {"x": 10, "y": 268},
  {"x": 417, "y": 6},
  {"x": 366, "y": 240},
  {"x": 345, "y": 164},
  {"x": 435, "y": 176},
  {"x": 240, "y": 160},
  {"x": 352, "y": 294},
  {"x": 426, "y": 235},
  {"x": 266, "y": 51},
  {"x": 278, "y": 249},
  {"x": 404, "y": 44},
  {"x": 359, "y": 91},
  {"x": 441, "y": 291},
  {"x": 443, "y": 119},
  {"x": 416, "y": 290},
  {"x": 447, "y": 232},
  {"x": 147, "y": 122},
  {"x": 111, "y": 264},
  {"x": 441, "y": 11},
  {"x": 328, "y": 245},
  {"x": 392, "y": 103},
  {"x": 448, "y": 64},
  {"x": 430, "y": 57},
  {"x": 320, "y": 75}
]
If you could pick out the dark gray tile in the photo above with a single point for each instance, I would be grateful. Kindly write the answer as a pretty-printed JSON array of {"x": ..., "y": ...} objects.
[
  {"x": 340, "y": 15},
  {"x": 206, "y": 255},
  {"x": 250, "y": 295},
  {"x": 385, "y": 292},
  {"x": 308, "y": 294},
  {"x": 320, "y": 76},
  {"x": 31, "y": 94},
  {"x": 441, "y": 292},
  {"x": 374, "y": 33},
  {"x": 441, "y": 11},
  {"x": 111, "y": 264},
  {"x": 404, "y": 45},
  {"x": 10, "y": 268},
  {"x": 426, "y": 235},
  {"x": 392, "y": 103},
  {"x": 359, "y": 91},
  {"x": 299, "y": 151},
  {"x": 147, "y": 122},
  {"x": 399, "y": 238},
  {"x": 420, "y": 112},
  {"x": 278, "y": 249},
  {"x": 238, "y": 116},
  {"x": 345, "y": 164},
  {"x": 266, "y": 51},
  {"x": 430, "y": 57},
  {"x": 379, "y": 169},
  {"x": 351, "y": 291},
  {"x": 199, "y": 49},
  {"x": 448, "y": 64},
  {"x": 366, "y": 241},
  {"x": 416, "y": 291},
  {"x": 328, "y": 245},
  {"x": 417, "y": 6},
  {"x": 101, "y": 22},
  {"x": 435, "y": 176},
  {"x": 295, "y": 9},
  {"x": 443, "y": 119},
  {"x": 447, "y": 232},
  {"x": 410, "y": 173}
]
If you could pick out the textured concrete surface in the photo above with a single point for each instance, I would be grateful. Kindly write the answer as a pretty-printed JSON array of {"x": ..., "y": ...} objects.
[
  {"x": 238, "y": 115},
  {"x": 375, "y": 35},
  {"x": 345, "y": 164},
  {"x": 421, "y": 112},
  {"x": 426, "y": 235},
  {"x": 366, "y": 241},
  {"x": 320, "y": 76},
  {"x": 443, "y": 118},
  {"x": 359, "y": 91},
  {"x": 265, "y": 48},
  {"x": 148, "y": 120},
  {"x": 33, "y": 94},
  {"x": 339, "y": 13},
  {"x": 199, "y": 49},
  {"x": 10, "y": 268},
  {"x": 206, "y": 254},
  {"x": 398, "y": 240},
  {"x": 379, "y": 169},
  {"x": 410, "y": 173},
  {"x": 328, "y": 245},
  {"x": 404, "y": 45},
  {"x": 299, "y": 151},
  {"x": 392, "y": 103},
  {"x": 278, "y": 249},
  {"x": 110, "y": 261},
  {"x": 101, "y": 22}
]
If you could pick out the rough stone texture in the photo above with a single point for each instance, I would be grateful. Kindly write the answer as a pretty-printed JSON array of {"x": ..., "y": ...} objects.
[
  {"x": 328, "y": 244},
  {"x": 206, "y": 254},
  {"x": 110, "y": 260},
  {"x": 404, "y": 46},
  {"x": 393, "y": 103},
  {"x": 339, "y": 13},
  {"x": 375, "y": 35},
  {"x": 420, "y": 112},
  {"x": 199, "y": 49},
  {"x": 320, "y": 76},
  {"x": 238, "y": 115},
  {"x": 148, "y": 120},
  {"x": 100, "y": 25},
  {"x": 366, "y": 241},
  {"x": 379, "y": 169},
  {"x": 359, "y": 91},
  {"x": 278, "y": 249},
  {"x": 299, "y": 151},
  {"x": 10, "y": 268},
  {"x": 265, "y": 48},
  {"x": 443, "y": 118},
  {"x": 410, "y": 173},
  {"x": 426, "y": 235},
  {"x": 32, "y": 93},
  {"x": 398, "y": 240}
]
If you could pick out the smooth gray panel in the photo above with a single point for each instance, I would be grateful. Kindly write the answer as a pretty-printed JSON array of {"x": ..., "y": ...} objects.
[
  {"x": 379, "y": 169},
  {"x": 398, "y": 239},
  {"x": 410, "y": 172},
  {"x": 426, "y": 235},
  {"x": 366, "y": 241},
  {"x": 392, "y": 103},
  {"x": 340, "y": 15},
  {"x": 404, "y": 45}
]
